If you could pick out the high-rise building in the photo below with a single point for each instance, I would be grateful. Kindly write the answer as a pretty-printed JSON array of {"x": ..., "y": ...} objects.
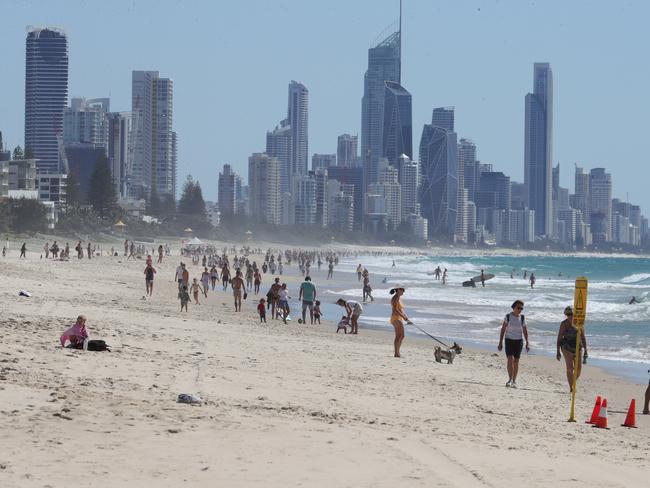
[
  {"x": 600, "y": 192},
  {"x": 397, "y": 139},
  {"x": 46, "y": 95},
  {"x": 304, "y": 193},
  {"x": 298, "y": 117},
  {"x": 384, "y": 64},
  {"x": 410, "y": 183},
  {"x": 439, "y": 167},
  {"x": 278, "y": 145},
  {"x": 321, "y": 178},
  {"x": 467, "y": 161},
  {"x": 443, "y": 117},
  {"x": 264, "y": 188},
  {"x": 353, "y": 177},
  {"x": 319, "y": 161},
  {"x": 538, "y": 148},
  {"x": 85, "y": 121},
  {"x": 153, "y": 164},
  {"x": 582, "y": 198},
  {"x": 347, "y": 150},
  {"x": 226, "y": 191},
  {"x": 494, "y": 187},
  {"x": 119, "y": 133},
  {"x": 5, "y": 155},
  {"x": 389, "y": 188}
]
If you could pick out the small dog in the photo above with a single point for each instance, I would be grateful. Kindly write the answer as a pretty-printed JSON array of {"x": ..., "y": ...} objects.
[{"x": 448, "y": 355}]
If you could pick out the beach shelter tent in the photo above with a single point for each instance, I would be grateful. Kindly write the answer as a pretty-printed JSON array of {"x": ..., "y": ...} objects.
[
  {"x": 195, "y": 241},
  {"x": 119, "y": 226}
]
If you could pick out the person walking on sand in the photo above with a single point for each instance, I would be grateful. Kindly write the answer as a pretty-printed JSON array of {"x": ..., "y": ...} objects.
[
  {"x": 307, "y": 295},
  {"x": 149, "y": 271},
  {"x": 238, "y": 285},
  {"x": 398, "y": 317},
  {"x": 184, "y": 297},
  {"x": 566, "y": 343},
  {"x": 353, "y": 309},
  {"x": 196, "y": 288},
  {"x": 257, "y": 281},
  {"x": 205, "y": 281},
  {"x": 274, "y": 298},
  {"x": 161, "y": 253},
  {"x": 23, "y": 251},
  {"x": 514, "y": 330}
]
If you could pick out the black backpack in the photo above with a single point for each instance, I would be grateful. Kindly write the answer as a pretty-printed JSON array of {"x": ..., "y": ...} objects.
[
  {"x": 98, "y": 345},
  {"x": 521, "y": 316}
]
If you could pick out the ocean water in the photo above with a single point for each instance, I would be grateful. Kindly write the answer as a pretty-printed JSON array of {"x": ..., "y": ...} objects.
[{"x": 616, "y": 331}]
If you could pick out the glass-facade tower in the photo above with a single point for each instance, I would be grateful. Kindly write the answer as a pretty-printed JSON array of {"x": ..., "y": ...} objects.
[
  {"x": 46, "y": 95},
  {"x": 398, "y": 127}
]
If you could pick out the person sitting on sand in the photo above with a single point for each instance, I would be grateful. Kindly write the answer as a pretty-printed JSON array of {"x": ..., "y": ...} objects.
[
  {"x": 343, "y": 324},
  {"x": 566, "y": 341},
  {"x": 76, "y": 335},
  {"x": 184, "y": 297}
]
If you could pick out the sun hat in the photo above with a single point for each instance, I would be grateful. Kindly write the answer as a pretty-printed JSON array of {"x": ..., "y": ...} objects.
[{"x": 398, "y": 287}]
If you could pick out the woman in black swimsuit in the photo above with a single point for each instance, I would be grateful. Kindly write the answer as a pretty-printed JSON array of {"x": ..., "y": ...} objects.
[{"x": 566, "y": 342}]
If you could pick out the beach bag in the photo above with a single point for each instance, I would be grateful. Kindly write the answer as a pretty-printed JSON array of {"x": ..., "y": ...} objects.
[{"x": 98, "y": 345}]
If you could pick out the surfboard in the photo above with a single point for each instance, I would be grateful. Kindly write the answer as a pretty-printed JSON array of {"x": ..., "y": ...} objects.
[{"x": 486, "y": 276}]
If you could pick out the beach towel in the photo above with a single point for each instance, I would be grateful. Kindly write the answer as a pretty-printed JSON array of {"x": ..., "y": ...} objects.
[{"x": 75, "y": 331}]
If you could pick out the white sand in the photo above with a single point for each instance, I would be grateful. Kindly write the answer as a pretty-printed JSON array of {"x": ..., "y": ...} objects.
[{"x": 286, "y": 405}]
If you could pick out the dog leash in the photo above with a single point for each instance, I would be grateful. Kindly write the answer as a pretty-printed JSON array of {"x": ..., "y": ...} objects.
[{"x": 432, "y": 337}]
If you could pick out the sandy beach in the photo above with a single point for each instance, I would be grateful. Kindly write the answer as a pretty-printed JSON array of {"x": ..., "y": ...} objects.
[{"x": 285, "y": 405}]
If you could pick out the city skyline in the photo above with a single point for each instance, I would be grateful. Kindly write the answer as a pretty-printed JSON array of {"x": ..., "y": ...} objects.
[{"x": 330, "y": 114}]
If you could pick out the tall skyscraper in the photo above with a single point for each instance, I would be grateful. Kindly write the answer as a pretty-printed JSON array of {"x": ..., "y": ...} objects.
[
  {"x": 439, "y": 166},
  {"x": 153, "y": 164},
  {"x": 119, "y": 133},
  {"x": 278, "y": 145},
  {"x": 298, "y": 117},
  {"x": 582, "y": 197},
  {"x": 397, "y": 136},
  {"x": 443, "y": 117},
  {"x": 410, "y": 183},
  {"x": 600, "y": 192},
  {"x": 46, "y": 95},
  {"x": 539, "y": 147},
  {"x": 322, "y": 161},
  {"x": 85, "y": 121},
  {"x": 347, "y": 150},
  {"x": 5, "y": 155},
  {"x": 384, "y": 64},
  {"x": 226, "y": 191},
  {"x": 264, "y": 188},
  {"x": 467, "y": 159}
]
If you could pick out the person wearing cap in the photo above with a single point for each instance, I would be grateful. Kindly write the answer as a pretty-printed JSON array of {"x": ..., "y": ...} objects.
[
  {"x": 307, "y": 295},
  {"x": 566, "y": 343},
  {"x": 398, "y": 317}
]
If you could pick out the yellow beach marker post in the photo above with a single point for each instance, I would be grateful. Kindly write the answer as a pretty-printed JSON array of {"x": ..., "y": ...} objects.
[{"x": 579, "y": 315}]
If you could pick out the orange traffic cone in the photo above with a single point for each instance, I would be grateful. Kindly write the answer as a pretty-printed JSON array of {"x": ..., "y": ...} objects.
[
  {"x": 594, "y": 413},
  {"x": 601, "y": 421},
  {"x": 630, "y": 420}
]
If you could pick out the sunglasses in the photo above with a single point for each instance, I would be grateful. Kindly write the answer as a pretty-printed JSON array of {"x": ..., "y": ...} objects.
[{"x": 519, "y": 308}]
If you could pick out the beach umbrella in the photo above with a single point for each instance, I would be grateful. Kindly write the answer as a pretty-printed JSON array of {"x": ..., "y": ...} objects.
[{"x": 188, "y": 232}]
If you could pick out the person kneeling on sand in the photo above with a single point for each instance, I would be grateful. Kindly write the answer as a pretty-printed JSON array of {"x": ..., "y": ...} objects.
[
  {"x": 343, "y": 324},
  {"x": 76, "y": 335}
]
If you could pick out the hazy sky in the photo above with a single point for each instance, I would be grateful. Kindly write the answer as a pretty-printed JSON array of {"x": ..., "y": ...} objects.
[{"x": 231, "y": 62}]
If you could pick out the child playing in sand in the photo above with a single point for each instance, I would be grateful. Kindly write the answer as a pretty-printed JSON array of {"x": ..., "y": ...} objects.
[
  {"x": 343, "y": 324},
  {"x": 184, "y": 297},
  {"x": 317, "y": 312},
  {"x": 195, "y": 290},
  {"x": 262, "y": 311}
]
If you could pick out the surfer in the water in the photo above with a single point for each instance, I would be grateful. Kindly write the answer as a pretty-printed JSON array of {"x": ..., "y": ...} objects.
[
  {"x": 633, "y": 300},
  {"x": 482, "y": 278}
]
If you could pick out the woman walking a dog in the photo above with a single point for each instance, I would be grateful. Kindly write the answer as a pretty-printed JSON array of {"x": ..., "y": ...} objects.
[{"x": 398, "y": 317}]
